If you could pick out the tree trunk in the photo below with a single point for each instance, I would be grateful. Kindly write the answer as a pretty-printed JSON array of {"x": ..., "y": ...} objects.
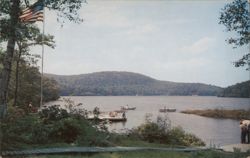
[
  {"x": 5, "y": 76},
  {"x": 17, "y": 75}
]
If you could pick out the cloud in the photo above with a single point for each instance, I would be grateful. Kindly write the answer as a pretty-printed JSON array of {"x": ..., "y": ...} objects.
[
  {"x": 200, "y": 46},
  {"x": 104, "y": 14},
  {"x": 142, "y": 29}
]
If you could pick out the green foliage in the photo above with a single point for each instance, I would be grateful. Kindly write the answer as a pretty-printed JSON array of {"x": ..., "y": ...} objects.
[
  {"x": 153, "y": 154},
  {"x": 92, "y": 137},
  {"x": 180, "y": 137},
  {"x": 70, "y": 127},
  {"x": 74, "y": 109},
  {"x": 52, "y": 125},
  {"x": 53, "y": 113},
  {"x": 18, "y": 132},
  {"x": 25, "y": 77},
  {"x": 29, "y": 87},
  {"x": 161, "y": 132},
  {"x": 50, "y": 89},
  {"x": 151, "y": 132},
  {"x": 241, "y": 90},
  {"x": 127, "y": 83},
  {"x": 218, "y": 154},
  {"x": 66, "y": 9},
  {"x": 13, "y": 32},
  {"x": 235, "y": 17},
  {"x": 66, "y": 130}
]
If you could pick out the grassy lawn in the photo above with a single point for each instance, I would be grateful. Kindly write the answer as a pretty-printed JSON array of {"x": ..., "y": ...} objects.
[{"x": 152, "y": 154}]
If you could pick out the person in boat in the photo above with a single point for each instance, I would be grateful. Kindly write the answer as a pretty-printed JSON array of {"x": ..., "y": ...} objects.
[
  {"x": 126, "y": 106},
  {"x": 112, "y": 114},
  {"x": 124, "y": 114}
]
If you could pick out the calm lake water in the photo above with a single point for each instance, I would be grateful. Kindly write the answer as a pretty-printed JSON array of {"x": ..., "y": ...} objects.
[{"x": 212, "y": 131}]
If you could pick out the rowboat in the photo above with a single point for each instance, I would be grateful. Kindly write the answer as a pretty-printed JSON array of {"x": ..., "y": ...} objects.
[
  {"x": 128, "y": 108},
  {"x": 167, "y": 110},
  {"x": 111, "y": 119}
]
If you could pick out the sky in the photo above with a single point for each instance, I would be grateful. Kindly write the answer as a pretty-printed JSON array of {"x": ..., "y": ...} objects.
[{"x": 178, "y": 41}]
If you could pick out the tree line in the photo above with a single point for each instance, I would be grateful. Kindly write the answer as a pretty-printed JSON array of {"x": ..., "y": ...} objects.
[
  {"x": 240, "y": 90},
  {"x": 127, "y": 83}
]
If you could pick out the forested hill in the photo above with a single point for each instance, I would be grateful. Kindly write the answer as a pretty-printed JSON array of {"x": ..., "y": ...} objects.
[
  {"x": 127, "y": 83},
  {"x": 241, "y": 90}
]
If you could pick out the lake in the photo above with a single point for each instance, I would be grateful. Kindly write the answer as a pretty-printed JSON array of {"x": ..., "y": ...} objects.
[{"x": 214, "y": 132}]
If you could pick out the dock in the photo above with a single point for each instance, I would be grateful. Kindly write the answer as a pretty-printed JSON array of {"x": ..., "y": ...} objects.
[{"x": 106, "y": 116}]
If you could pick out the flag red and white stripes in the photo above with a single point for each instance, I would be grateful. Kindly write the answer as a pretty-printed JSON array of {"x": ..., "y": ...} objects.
[{"x": 33, "y": 13}]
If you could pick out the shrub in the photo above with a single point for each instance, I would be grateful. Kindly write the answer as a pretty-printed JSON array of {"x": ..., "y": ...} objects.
[
  {"x": 161, "y": 132},
  {"x": 74, "y": 109},
  {"x": 92, "y": 137},
  {"x": 65, "y": 130},
  {"x": 153, "y": 131},
  {"x": 53, "y": 113},
  {"x": 179, "y": 137},
  {"x": 51, "y": 126},
  {"x": 17, "y": 131},
  {"x": 40, "y": 133}
]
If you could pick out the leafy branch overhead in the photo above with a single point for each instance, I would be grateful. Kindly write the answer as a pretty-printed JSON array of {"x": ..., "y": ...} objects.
[
  {"x": 236, "y": 18},
  {"x": 66, "y": 9}
]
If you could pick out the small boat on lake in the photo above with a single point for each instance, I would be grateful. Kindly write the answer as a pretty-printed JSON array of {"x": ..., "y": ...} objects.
[
  {"x": 127, "y": 108},
  {"x": 167, "y": 110}
]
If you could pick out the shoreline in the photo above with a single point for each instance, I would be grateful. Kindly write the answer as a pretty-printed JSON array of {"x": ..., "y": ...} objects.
[{"x": 221, "y": 113}]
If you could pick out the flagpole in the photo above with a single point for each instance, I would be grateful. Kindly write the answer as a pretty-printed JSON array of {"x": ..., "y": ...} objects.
[
  {"x": 41, "y": 101},
  {"x": 249, "y": 45}
]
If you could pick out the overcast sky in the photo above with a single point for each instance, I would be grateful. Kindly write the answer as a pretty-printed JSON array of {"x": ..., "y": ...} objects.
[{"x": 177, "y": 41}]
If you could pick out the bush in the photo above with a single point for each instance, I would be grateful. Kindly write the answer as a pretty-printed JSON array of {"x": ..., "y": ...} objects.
[
  {"x": 179, "y": 137},
  {"x": 53, "y": 113},
  {"x": 66, "y": 130},
  {"x": 40, "y": 133},
  {"x": 151, "y": 132},
  {"x": 51, "y": 126},
  {"x": 92, "y": 137},
  {"x": 18, "y": 131},
  {"x": 161, "y": 132}
]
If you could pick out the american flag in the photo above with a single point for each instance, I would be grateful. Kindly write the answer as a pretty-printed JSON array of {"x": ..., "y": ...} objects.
[{"x": 33, "y": 13}]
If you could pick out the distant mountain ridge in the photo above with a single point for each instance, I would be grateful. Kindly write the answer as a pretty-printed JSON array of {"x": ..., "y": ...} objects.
[
  {"x": 240, "y": 90},
  {"x": 127, "y": 83}
]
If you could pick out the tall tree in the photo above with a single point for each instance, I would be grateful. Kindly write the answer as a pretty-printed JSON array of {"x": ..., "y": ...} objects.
[
  {"x": 29, "y": 86},
  {"x": 14, "y": 9},
  {"x": 23, "y": 44},
  {"x": 10, "y": 26},
  {"x": 235, "y": 17}
]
